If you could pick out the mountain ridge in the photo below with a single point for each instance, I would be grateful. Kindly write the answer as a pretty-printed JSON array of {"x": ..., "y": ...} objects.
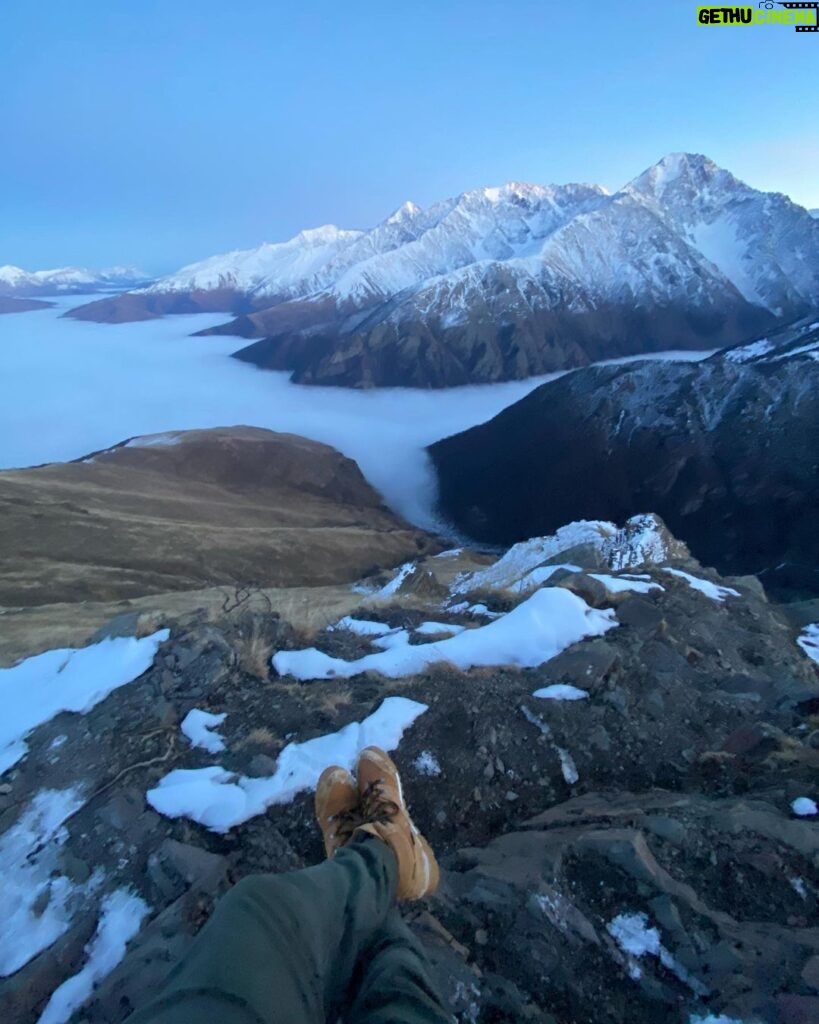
[{"x": 506, "y": 282}]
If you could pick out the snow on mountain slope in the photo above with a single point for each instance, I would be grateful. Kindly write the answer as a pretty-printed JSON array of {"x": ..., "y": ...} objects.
[
  {"x": 289, "y": 268},
  {"x": 501, "y": 283},
  {"x": 761, "y": 241},
  {"x": 18, "y": 282}
]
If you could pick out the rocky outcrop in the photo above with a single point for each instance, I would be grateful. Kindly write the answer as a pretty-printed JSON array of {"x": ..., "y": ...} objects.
[
  {"x": 193, "y": 509},
  {"x": 628, "y": 855},
  {"x": 724, "y": 451}
]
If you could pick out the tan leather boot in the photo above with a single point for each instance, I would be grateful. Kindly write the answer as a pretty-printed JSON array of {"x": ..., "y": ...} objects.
[
  {"x": 336, "y": 808},
  {"x": 383, "y": 813}
]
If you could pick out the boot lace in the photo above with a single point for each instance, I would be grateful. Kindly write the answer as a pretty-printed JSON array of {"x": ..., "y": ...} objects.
[{"x": 376, "y": 808}]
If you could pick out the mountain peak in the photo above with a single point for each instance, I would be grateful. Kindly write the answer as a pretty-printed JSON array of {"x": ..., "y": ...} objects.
[
  {"x": 678, "y": 168},
  {"x": 406, "y": 211}
]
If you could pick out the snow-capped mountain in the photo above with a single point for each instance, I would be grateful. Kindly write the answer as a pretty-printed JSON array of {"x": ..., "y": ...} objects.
[
  {"x": 506, "y": 282},
  {"x": 17, "y": 282}
]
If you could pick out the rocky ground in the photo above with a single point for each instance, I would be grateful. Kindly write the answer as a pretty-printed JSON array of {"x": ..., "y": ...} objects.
[{"x": 630, "y": 855}]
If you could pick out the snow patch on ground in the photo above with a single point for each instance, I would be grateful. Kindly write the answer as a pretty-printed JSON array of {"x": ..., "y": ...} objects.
[
  {"x": 390, "y": 588},
  {"x": 619, "y": 584},
  {"x": 637, "y": 939},
  {"x": 219, "y": 799},
  {"x": 122, "y": 914},
  {"x": 808, "y": 640},
  {"x": 560, "y": 691},
  {"x": 712, "y": 590},
  {"x": 537, "y": 577},
  {"x": 538, "y": 629},
  {"x": 427, "y": 764},
  {"x": 433, "y": 628},
  {"x": 200, "y": 728},
  {"x": 804, "y": 807},
  {"x": 36, "y": 901},
  {"x": 362, "y": 627},
  {"x": 68, "y": 679},
  {"x": 639, "y": 542}
]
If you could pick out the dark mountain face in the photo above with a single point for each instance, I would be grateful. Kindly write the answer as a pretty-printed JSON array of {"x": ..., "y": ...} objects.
[{"x": 725, "y": 451}]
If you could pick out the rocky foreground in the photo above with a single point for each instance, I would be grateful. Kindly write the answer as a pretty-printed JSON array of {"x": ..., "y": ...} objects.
[{"x": 624, "y": 846}]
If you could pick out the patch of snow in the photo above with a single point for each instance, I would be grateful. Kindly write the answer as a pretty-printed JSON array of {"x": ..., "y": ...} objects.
[
  {"x": 219, "y": 799},
  {"x": 808, "y": 640},
  {"x": 363, "y": 627},
  {"x": 538, "y": 629},
  {"x": 560, "y": 691},
  {"x": 481, "y": 609},
  {"x": 639, "y": 542},
  {"x": 69, "y": 679},
  {"x": 121, "y": 917},
  {"x": 712, "y": 590},
  {"x": 200, "y": 728},
  {"x": 432, "y": 628},
  {"x": 35, "y": 899},
  {"x": 798, "y": 886},
  {"x": 390, "y": 588},
  {"x": 619, "y": 584},
  {"x": 450, "y": 553},
  {"x": 804, "y": 807},
  {"x": 637, "y": 939},
  {"x": 748, "y": 352},
  {"x": 537, "y": 577},
  {"x": 153, "y": 441},
  {"x": 712, "y": 1018},
  {"x": 397, "y": 638},
  {"x": 567, "y": 766},
  {"x": 427, "y": 764}
]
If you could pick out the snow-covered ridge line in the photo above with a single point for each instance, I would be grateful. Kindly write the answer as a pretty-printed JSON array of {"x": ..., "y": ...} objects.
[
  {"x": 710, "y": 220},
  {"x": 16, "y": 281}
]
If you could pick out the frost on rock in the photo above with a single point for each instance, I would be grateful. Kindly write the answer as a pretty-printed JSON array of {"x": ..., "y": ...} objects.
[
  {"x": 436, "y": 628},
  {"x": 643, "y": 540},
  {"x": 427, "y": 764},
  {"x": 808, "y": 640},
  {"x": 538, "y": 629},
  {"x": 39, "y": 688},
  {"x": 637, "y": 939},
  {"x": 560, "y": 691},
  {"x": 620, "y": 584},
  {"x": 712, "y": 590},
  {"x": 362, "y": 627},
  {"x": 36, "y": 901},
  {"x": 122, "y": 914},
  {"x": 219, "y": 799},
  {"x": 200, "y": 728},
  {"x": 395, "y": 583}
]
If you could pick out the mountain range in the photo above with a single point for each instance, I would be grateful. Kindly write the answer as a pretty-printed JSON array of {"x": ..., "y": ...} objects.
[
  {"x": 18, "y": 283},
  {"x": 503, "y": 283}
]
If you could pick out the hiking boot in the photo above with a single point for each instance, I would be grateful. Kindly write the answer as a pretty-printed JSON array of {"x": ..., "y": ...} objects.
[
  {"x": 383, "y": 813},
  {"x": 336, "y": 808}
]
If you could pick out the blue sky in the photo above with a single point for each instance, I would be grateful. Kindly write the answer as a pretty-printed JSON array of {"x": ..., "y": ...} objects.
[{"x": 161, "y": 132}]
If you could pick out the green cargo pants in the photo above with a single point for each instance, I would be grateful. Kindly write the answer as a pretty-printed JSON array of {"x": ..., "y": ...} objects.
[{"x": 305, "y": 947}]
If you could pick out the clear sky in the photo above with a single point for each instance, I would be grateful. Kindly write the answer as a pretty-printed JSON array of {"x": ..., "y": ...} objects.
[{"x": 161, "y": 131}]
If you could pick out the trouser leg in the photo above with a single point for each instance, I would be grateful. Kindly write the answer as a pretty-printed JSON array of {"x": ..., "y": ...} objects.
[
  {"x": 393, "y": 984},
  {"x": 281, "y": 949}
]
